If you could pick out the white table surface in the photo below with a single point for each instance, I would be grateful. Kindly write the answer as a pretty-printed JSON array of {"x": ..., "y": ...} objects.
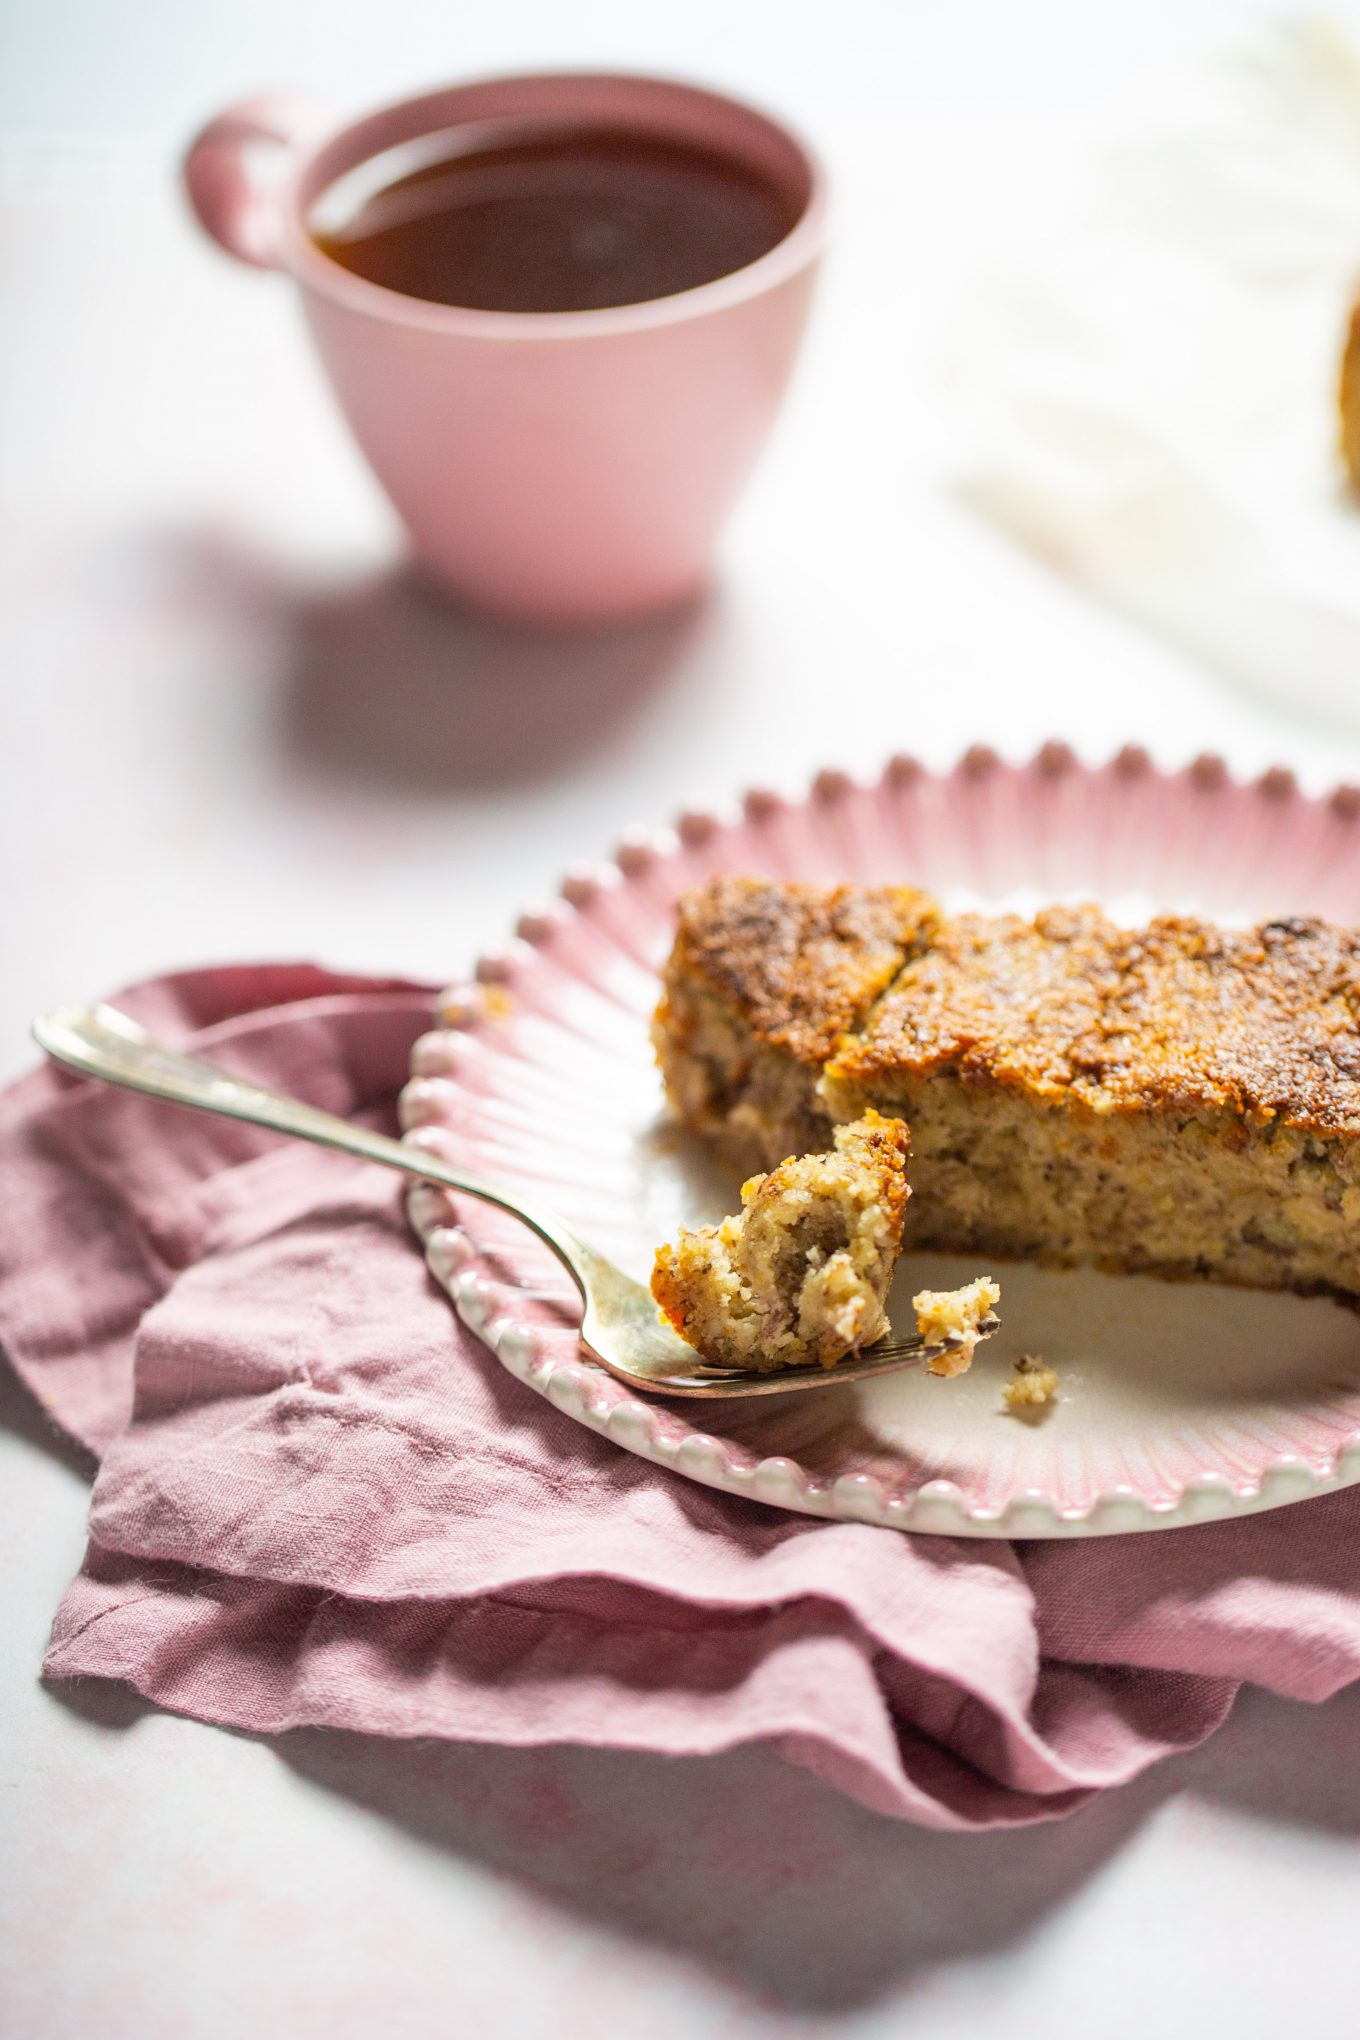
[{"x": 231, "y": 727}]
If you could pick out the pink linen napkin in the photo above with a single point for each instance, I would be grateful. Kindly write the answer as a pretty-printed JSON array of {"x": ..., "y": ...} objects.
[{"x": 321, "y": 1501}]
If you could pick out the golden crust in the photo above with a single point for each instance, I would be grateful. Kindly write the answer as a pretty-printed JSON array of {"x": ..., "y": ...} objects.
[
  {"x": 1179, "y": 1017},
  {"x": 801, "y": 965},
  {"x": 1262, "y": 1024}
]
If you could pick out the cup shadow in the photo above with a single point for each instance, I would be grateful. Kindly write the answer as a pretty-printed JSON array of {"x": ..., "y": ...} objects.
[
  {"x": 385, "y": 682},
  {"x": 390, "y": 683}
]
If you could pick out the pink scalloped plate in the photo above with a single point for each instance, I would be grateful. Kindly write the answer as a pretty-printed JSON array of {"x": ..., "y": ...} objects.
[{"x": 1179, "y": 1403}]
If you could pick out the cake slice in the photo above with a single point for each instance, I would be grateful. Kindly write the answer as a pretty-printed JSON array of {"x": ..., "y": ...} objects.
[
  {"x": 1179, "y": 1098},
  {"x": 800, "y": 1276}
]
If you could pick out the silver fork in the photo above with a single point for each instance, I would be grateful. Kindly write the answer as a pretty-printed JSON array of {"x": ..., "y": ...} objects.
[{"x": 621, "y": 1327}]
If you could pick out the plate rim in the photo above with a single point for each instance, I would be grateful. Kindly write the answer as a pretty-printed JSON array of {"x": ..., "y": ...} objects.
[{"x": 652, "y": 1429}]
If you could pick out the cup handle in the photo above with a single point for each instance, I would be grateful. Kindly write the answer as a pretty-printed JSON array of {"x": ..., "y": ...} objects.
[{"x": 233, "y": 202}]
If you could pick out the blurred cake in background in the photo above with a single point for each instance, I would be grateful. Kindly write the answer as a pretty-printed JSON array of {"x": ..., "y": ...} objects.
[{"x": 1350, "y": 400}]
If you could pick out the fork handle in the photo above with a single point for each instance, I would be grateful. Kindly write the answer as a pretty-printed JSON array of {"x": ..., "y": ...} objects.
[{"x": 99, "y": 1041}]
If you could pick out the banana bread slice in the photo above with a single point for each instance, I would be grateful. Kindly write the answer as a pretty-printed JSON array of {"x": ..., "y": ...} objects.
[
  {"x": 1179, "y": 1098},
  {"x": 801, "y": 1275}
]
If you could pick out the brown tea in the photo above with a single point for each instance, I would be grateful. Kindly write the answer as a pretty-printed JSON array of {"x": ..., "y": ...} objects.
[{"x": 551, "y": 219}]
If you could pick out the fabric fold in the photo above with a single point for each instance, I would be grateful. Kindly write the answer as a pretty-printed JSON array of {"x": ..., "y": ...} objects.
[
  {"x": 801, "y": 1678},
  {"x": 321, "y": 1502}
]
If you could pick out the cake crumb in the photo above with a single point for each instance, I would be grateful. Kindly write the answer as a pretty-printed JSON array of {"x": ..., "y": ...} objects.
[
  {"x": 955, "y": 1314},
  {"x": 1033, "y": 1389}
]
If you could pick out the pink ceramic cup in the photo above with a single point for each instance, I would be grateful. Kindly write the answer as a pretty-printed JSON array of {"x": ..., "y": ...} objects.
[{"x": 560, "y": 467}]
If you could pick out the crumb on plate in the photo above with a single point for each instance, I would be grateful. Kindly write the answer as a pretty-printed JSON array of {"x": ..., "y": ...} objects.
[{"x": 1034, "y": 1387}]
